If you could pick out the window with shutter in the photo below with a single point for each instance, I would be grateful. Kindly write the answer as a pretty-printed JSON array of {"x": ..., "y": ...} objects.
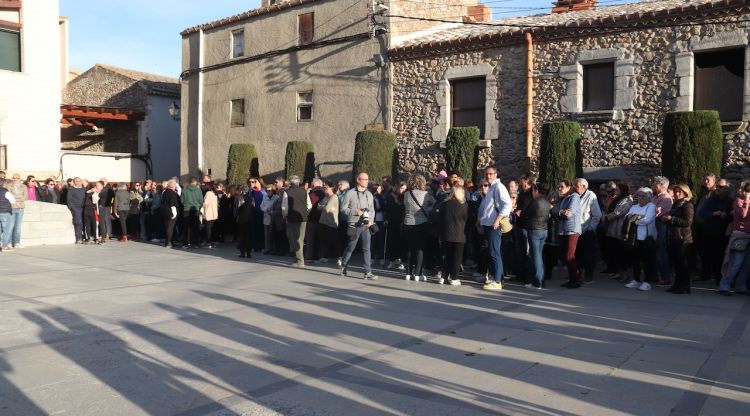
[
  {"x": 305, "y": 106},
  {"x": 10, "y": 50},
  {"x": 238, "y": 43},
  {"x": 306, "y": 28},
  {"x": 238, "y": 113},
  {"x": 599, "y": 86},
  {"x": 720, "y": 82},
  {"x": 468, "y": 98}
]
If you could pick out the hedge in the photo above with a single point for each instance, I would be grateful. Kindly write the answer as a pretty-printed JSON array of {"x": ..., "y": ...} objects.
[
  {"x": 461, "y": 151},
  {"x": 242, "y": 163},
  {"x": 300, "y": 160},
  {"x": 692, "y": 146},
  {"x": 374, "y": 152},
  {"x": 559, "y": 153}
]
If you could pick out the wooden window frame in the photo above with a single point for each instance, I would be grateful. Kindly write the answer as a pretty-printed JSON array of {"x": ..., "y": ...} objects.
[
  {"x": 303, "y": 37},
  {"x": 235, "y": 33},
  {"x": 4, "y": 157},
  {"x": 587, "y": 104},
  {"x": 481, "y": 99},
  {"x": 305, "y": 104},
  {"x": 735, "y": 91},
  {"x": 232, "y": 122}
]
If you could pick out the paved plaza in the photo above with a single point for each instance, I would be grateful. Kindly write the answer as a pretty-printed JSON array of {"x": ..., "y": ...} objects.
[{"x": 132, "y": 329}]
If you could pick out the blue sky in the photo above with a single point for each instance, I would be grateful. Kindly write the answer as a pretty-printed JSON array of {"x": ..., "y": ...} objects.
[{"x": 145, "y": 34}]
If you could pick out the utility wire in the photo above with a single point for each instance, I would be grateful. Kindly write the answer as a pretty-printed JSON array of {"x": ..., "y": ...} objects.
[{"x": 277, "y": 52}]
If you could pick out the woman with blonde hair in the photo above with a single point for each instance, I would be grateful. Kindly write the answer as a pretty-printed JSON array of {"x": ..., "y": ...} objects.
[
  {"x": 453, "y": 213},
  {"x": 417, "y": 205}
]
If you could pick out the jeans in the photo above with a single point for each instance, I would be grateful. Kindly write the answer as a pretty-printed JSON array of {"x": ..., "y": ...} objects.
[
  {"x": 15, "y": 226},
  {"x": 359, "y": 233},
  {"x": 5, "y": 228},
  {"x": 739, "y": 269},
  {"x": 662, "y": 252},
  {"x": 494, "y": 241},
  {"x": 536, "y": 246}
]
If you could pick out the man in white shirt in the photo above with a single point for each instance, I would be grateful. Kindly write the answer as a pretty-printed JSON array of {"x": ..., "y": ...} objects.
[
  {"x": 495, "y": 206},
  {"x": 591, "y": 214}
]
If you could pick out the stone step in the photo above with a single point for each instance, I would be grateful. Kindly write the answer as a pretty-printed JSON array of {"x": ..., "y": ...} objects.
[{"x": 46, "y": 224}]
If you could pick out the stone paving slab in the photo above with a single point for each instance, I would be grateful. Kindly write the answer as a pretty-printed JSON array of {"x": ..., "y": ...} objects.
[{"x": 136, "y": 329}]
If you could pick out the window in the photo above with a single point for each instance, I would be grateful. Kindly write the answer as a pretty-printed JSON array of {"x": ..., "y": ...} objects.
[
  {"x": 468, "y": 97},
  {"x": 599, "y": 86},
  {"x": 304, "y": 106},
  {"x": 10, "y": 50},
  {"x": 305, "y": 28},
  {"x": 238, "y": 43},
  {"x": 238, "y": 113},
  {"x": 720, "y": 82},
  {"x": 3, "y": 157}
]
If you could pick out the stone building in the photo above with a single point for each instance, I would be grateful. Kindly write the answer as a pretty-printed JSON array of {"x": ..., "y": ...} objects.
[
  {"x": 617, "y": 70},
  {"x": 119, "y": 113},
  {"x": 293, "y": 70}
]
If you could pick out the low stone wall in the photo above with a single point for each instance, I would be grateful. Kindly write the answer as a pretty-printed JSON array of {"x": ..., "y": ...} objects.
[{"x": 46, "y": 224}]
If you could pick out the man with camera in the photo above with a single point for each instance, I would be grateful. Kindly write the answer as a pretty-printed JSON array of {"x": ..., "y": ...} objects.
[{"x": 359, "y": 208}]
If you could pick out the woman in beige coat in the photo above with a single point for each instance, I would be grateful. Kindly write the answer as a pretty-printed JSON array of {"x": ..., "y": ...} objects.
[{"x": 210, "y": 213}]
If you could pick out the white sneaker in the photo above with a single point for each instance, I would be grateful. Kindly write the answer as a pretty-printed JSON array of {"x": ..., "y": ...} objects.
[
  {"x": 644, "y": 286},
  {"x": 422, "y": 278},
  {"x": 441, "y": 281},
  {"x": 455, "y": 282},
  {"x": 339, "y": 262},
  {"x": 401, "y": 267},
  {"x": 408, "y": 277},
  {"x": 632, "y": 285}
]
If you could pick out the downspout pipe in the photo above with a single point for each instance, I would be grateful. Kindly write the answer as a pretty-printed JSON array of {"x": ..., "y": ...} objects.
[{"x": 529, "y": 99}]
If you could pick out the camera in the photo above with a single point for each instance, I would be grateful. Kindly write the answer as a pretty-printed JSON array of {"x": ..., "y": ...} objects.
[{"x": 365, "y": 216}]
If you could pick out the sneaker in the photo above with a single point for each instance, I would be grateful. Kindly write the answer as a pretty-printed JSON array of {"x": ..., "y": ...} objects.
[
  {"x": 17, "y": 246},
  {"x": 370, "y": 276},
  {"x": 644, "y": 286},
  {"x": 342, "y": 271},
  {"x": 493, "y": 286},
  {"x": 439, "y": 275},
  {"x": 322, "y": 260},
  {"x": 298, "y": 264},
  {"x": 528, "y": 285},
  {"x": 440, "y": 281},
  {"x": 408, "y": 277},
  {"x": 632, "y": 285},
  {"x": 454, "y": 282},
  {"x": 339, "y": 263},
  {"x": 421, "y": 277},
  {"x": 154, "y": 240},
  {"x": 400, "y": 267}
]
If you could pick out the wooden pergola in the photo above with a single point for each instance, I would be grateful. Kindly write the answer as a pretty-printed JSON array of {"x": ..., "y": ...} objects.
[{"x": 76, "y": 115}]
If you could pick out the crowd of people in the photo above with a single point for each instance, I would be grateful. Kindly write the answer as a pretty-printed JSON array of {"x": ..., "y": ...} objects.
[{"x": 643, "y": 236}]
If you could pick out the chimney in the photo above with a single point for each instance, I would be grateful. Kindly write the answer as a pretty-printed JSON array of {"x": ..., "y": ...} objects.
[
  {"x": 478, "y": 13},
  {"x": 564, "y": 6}
]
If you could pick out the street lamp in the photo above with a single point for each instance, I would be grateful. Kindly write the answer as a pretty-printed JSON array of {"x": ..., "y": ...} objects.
[{"x": 174, "y": 111}]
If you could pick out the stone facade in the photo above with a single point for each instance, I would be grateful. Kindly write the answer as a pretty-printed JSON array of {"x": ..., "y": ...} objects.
[{"x": 653, "y": 76}]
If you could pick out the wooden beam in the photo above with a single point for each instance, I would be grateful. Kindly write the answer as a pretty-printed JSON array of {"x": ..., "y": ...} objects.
[
  {"x": 10, "y": 4},
  {"x": 102, "y": 116},
  {"x": 10, "y": 25}
]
